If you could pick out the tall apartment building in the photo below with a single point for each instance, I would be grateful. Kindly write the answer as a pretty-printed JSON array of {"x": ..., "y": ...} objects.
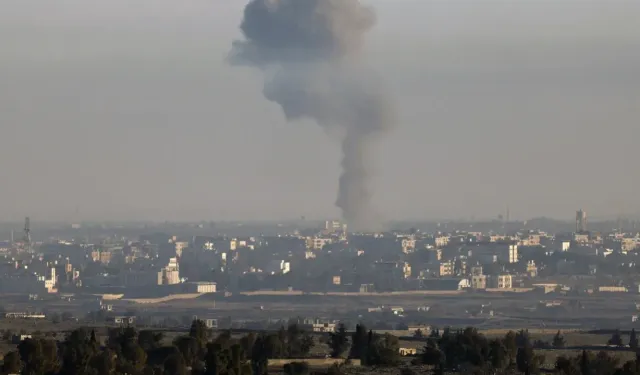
[
  {"x": 581, "y": 221},
  {"x": 170, "y": 274}
]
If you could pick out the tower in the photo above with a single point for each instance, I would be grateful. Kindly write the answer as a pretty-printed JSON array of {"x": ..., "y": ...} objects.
[
  {"x": 581, "y": 221},
  {"x": 27, "y": 235}
]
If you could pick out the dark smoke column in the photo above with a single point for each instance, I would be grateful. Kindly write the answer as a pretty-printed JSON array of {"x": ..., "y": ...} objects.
[{"x": 309, "y": 53}]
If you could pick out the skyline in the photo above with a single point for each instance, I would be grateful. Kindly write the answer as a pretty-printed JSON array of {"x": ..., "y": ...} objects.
[{"x": 114, "y": 112}]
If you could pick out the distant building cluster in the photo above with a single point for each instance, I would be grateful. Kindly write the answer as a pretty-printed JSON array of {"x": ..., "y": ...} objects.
[{"x": 495, "y": 257}]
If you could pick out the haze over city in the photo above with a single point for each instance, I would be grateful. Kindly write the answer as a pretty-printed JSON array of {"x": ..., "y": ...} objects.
[{"x": 120, "y": 110}]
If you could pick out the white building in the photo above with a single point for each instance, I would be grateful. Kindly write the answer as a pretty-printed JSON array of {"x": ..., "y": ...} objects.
[
  {"x": 170, "y": 274},
  {"x": 278, "y": 267}
]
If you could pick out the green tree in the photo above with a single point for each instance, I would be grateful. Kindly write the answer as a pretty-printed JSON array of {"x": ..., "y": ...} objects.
[
  {"x": 558, "y": 341},
  {"x": 104, "y": 363},
  {"x": 200, "y": 333},
  {"x": 527, "y": 361},
  {"x": 175, "y": 365},
  {"x": 523, "y": 338},
  {"x": 498, "y": 354},
  {"x": 149, "y": 340},
  {"x": 306, "y": 344},
  {"x": 511, "y": 344},
  {"x": 11, "y": 363},
  {"x": 382, "y": 350},
  {"x": 189, "y": 348},
  {"x": 39, "y": 356},
  {"x": 633, "y": 340},
  {"x": 616, "y": 339},
  {"x": 248, "y": 341},
  {"x": 359, "y": 342},
  {"x": 77, "y": 350},
  {"x": 338, "y": 341},
  {"x": 260, "y": 355},
  {"x": 296, "y": 368},
  {"x": 585, "y": 363},
  {"x": 433, "y": 356}
]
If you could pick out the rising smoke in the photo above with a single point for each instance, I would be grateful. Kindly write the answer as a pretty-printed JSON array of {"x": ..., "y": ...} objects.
[{"x": 309, "y": 52}]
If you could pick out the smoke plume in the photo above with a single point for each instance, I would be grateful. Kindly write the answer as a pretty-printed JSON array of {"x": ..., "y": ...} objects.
[{"x": 309, "y": 53}]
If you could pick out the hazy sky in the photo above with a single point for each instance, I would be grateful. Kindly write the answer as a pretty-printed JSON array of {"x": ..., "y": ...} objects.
[{"x": 119, "y": 109}]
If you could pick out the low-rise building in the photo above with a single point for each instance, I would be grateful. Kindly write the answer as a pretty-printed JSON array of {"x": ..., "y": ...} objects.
[{"x": 502, "y": 282}]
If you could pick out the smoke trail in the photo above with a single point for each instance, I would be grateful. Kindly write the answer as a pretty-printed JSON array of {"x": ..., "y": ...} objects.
[{"x": 308, "y": 51}]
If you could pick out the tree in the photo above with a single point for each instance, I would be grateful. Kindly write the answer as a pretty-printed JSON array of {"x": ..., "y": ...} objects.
[
  {"x": 7, "y": 336},
  {"x": 585, "y": 363},
  {"x": 359, "y": 341},
  {"x": 433, "y": 356},
  {"x": 522, "y": 338},
  {"x": 418, "y": 333},
  {"x": 435, "y": 333},
  {"x": 104, "y": 363},
  {"x": 382, "y": 350},
  {"x": 616, "y": 339},
  {"x": 558, "y": 341},
  {"x": 175, "y": 365},
  {"x": 200, "y": 333},
  {"x": 526, "y": 360},
  {"x": 338, "y": 341},
  {"x": 149, "y": 340},
  {"x": 296, "y": 368},
  {"x": 77, "y": 350},
  {"x": 511, "y": 344},
  {"x": 189, "y": 348},
  {"x": 11, "y": 363},
  {"x": 306, "y": 344},
  {"x": 566, "y": 366},
  {"x": 39, "y": 356},
  {"x": 633, "y": 340},
  {"x": 259, "y": 356},
  {"x": 248, "y": 342},
  {"x": 498, "y": 354}
]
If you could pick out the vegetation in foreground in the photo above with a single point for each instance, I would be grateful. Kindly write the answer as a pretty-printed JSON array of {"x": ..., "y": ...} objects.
[{"x": 127, "y": 351}]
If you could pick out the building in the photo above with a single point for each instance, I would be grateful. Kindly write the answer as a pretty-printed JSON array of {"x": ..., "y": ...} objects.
[
  {"x": 446, "y": 269},
  {"x": 408, "y": 351},
  {"x": 489, "y": 252},
  {"x": 103, "y": 257},
  {"x": 408, "y": 245},
  {"x": 124, "y": 320},
  {"x": 612, "y": 289},
  {"x": 170, "y": 274},
  {"x": 323, "y": 327},
  {"x": 441, "y": 241},
  {"x": 532, "y": 269},
  {"x": 51, "y": 283},
  {"x": 180, "y": 246},
  {"x": 581, "y": 221},
  {"x": 201, "y": 287},
  {"x": 317, "y": 243},
  {"x": 478, "y": 282},
  {"x": 476, "y": 271},
  {"x": 502, "y": 282},
  {"x": 278, "y": 267}
]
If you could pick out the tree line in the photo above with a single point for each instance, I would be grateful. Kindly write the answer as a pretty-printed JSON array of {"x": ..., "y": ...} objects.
[{"x": 128, "y": 351}]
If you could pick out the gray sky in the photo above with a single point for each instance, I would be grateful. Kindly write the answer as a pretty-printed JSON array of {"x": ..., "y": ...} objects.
[{"x": 123, "y": 109}]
